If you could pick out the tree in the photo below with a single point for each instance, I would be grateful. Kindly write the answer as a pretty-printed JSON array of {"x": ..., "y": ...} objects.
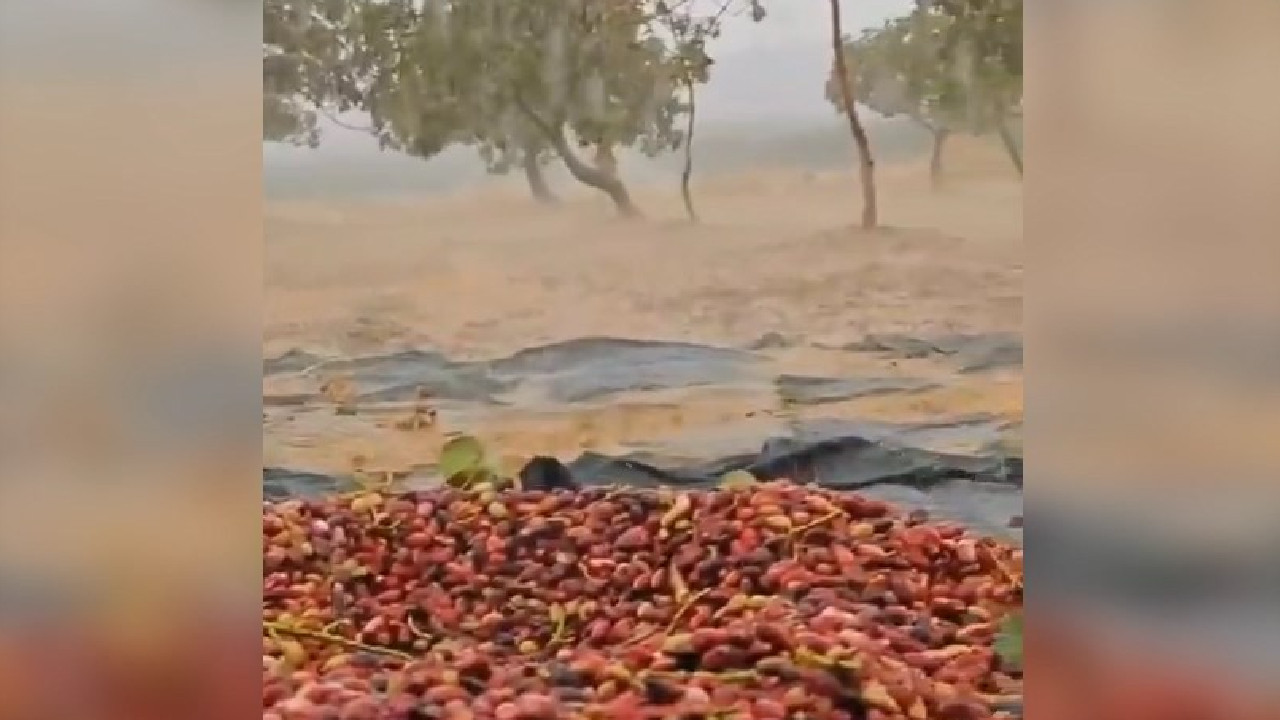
[
  {"x": 896, "y": 70},
  {"x": 524, "y": 83},
  {"x": 866, "y": 164},
  {"x": 690, "y": 31},
  {"x": 588, "y": 67},
  {"x": 421, "y": 104},
  {"x": 984, "y": 45},
  {"x": 325, "y": 59},
  {"x": 949, "y": 66},
  {"x": 514, "y": 79}
]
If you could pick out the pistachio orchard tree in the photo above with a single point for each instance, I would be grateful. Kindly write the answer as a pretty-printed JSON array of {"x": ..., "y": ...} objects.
[
  {"x": 949, "y": 66},
  {"x": 523, "y": 82}
]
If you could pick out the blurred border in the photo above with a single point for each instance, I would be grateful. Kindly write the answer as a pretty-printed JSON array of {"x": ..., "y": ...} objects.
[
  {"x": 130, "y": 344},
  {"x": 1153, "y": 356}
]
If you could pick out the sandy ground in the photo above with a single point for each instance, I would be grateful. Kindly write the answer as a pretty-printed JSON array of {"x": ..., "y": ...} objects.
[{"x": 489, "y": 273}]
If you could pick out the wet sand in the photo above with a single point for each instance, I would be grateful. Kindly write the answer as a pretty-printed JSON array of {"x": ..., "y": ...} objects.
[{"x": 776, "y": 268}]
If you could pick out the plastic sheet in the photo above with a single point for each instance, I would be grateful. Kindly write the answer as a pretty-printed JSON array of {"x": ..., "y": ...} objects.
[{"x": 902, "y": 463}]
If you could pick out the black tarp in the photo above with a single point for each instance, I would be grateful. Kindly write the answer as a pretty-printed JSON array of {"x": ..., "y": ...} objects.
[
  {"x": 895, "y": 462},
  {"x": 981, "y": 491}
]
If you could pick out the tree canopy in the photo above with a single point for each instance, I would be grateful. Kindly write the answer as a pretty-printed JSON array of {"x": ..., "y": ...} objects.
[
  {"x": 435, "y": 72},
  {"x": 950, "y": 64},
  {"x": 513, "y": 79},
  {"x": 525, "y": 82}
]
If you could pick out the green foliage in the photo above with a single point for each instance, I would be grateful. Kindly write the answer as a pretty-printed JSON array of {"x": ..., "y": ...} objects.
[
  {"x": 950, "y": 64},
  {"x": 461, "y": 457},
  {"x": 688, "y": 27},
  {"x": 992, "y": 29},
  {"x": 506, "y": 77},
  {"x": 287, "y": 120},
  {"x": 301, "y": 64}
]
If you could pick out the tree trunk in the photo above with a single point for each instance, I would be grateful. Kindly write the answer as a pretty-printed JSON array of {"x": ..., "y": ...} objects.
[
  {"x": 940, "y": 136},
  {"x": 866, "y": 164},
  {"x": 581, "y": 171},
  {"x": 687, "y": 173},
  {"x": 1010, "y": 144},
  {"x": 605, "y": 161},
  {"x": 596, "y": 178},
  {"x": 537, "y": 181}
]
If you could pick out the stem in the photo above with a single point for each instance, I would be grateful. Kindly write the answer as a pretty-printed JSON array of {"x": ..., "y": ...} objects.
[
  {"x": 797, "y": 535},
  {"x": 271, "y": 627},
  {"x": 684, "y": 608}
]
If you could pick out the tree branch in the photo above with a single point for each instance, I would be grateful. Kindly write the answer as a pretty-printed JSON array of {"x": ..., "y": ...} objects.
[
  {"x": 541, "y": 124},
  {"x": 328, "y": 115}
]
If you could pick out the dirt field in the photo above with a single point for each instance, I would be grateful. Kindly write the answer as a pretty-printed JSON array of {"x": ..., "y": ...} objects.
[{"x": 488, "y": 274}]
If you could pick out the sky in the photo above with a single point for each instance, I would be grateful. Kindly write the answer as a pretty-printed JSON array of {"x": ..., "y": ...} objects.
[
  {"x": 771, "y": 71},
  {"x": 775, "y": 69}
]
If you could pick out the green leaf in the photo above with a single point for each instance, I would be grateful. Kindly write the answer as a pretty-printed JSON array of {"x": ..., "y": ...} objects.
[
  {"x": 462, "y": 454},
  {"x": 1009, "y": 642},
  {"x": 473, "y": 479},
  {"x": 737, "y": 479}
]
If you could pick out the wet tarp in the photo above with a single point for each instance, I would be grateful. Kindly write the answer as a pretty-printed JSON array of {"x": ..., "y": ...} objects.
[
  {"x": 588, "y": 369},
  {"x": 972, "y": 352},
  {"x": 809, "y": 390},
  {"x": 572, "y": 371},
  {"x": 983, "y": 491},
  {"x": 282, "y": 483},
  {"x": 913, "y": 465}
]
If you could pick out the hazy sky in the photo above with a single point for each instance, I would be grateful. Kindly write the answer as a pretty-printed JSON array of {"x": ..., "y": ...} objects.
[
  {"x": 770, "y": 71},
  {"x": 776, "y": 68}
]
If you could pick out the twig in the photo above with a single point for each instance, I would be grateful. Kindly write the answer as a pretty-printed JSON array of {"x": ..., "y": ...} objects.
[
  {"x": 413, "y": 628},
  {"x": 273, "y": 629},
  {"x": 559, "y": 615},
  {"x": 684, "y": 607},
  {"x": 342, "y": 124},
  {"x": 797, "y": 534}
]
